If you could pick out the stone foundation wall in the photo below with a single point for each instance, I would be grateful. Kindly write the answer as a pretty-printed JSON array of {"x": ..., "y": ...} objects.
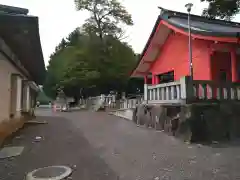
[
  {"x": 215, "y": 122},
  {"x": 196, "y": 122}
]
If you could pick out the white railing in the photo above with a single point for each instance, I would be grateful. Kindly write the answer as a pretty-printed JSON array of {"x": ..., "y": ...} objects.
[
  {"x": 186, "y": 91},
  {"x": 210, "y": 90},
  {"x": 130, "y": 103},
  {"x": 111, "y": 102},
  {"x": 108, "y": 101},
  {"x": 167, "y": 92}
]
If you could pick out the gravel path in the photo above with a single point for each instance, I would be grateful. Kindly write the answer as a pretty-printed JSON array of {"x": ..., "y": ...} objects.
[
  {"x": 103, "y": 147},
  {"x": 62, "y": 144},
  {"x": 138, "y": 153}
]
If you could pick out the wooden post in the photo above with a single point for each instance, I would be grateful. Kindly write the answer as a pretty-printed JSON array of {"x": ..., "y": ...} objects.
[
  {"x": 186, "y": 88},
  {"x": 123, "y": 95},
  {"x": 158, "y": 94},
  {"x": 154, "y": 93},
  {"x": 178, "y": 92},
  {"x": 145, "y": 89},
  {"x": 234, "y": 65},
  {"x": 167, "y": 93},
  {"x": 172, "y": 92},
  {"x": 156, "y": 79},
  {"x": 150, "y": 94},
  {"x": 163, "y": 94},
  {"x": 153, "y": 79},
  {"x": 18, "y": 97}
]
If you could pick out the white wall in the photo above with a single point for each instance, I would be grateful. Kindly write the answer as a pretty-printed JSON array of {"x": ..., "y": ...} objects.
[{"x": 6, "y": 69}]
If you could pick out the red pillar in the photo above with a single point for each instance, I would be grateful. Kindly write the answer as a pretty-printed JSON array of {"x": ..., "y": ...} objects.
[
  {"x": 210, "y": 77},
  {"x": 210, "y": 67},
  {"x": 156, "y": 80},
  {"x": 234, "y": 65},
  {"x": 153, "y": 79},
  {"x": 145, "y": 80}
]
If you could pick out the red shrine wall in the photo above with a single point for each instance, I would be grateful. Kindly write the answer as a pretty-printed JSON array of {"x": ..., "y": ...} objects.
[
  {"x": 221, "y": 61},
  {"x": 174, "y": 56}
]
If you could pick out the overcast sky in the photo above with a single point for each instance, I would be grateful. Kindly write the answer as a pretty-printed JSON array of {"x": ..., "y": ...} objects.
[{"x": 57, "y": 18}]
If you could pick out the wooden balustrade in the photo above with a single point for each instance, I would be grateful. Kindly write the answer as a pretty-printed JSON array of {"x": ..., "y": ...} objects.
[
  {"x": 179, "y": 92},
  {"x": 165, "y": 93},
  {"x": 188, "y": 91},
  {"x": 111, "y": 102},
  {"x": 210, "y": 90},
  {"x": 130, "y": 103}
]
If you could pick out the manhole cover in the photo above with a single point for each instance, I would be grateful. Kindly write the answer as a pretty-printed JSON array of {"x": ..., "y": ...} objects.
[{"x": 49, "y": 173}]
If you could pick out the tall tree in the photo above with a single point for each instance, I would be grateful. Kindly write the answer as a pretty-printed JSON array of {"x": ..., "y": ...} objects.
[
  {"x": 42, "y": 98},
  {"x": 92, "y": 59},
  {"x": 75, "y": 37},
  {"x": 106, "y": 17},
  {"x": 223, "y": 9},
  {"x": 61, "y": 45},
  {"x": 83, "y": 71},
  {"x": 57, "y": 65}
]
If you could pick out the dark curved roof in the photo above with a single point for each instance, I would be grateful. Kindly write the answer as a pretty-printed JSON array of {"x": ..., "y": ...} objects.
[
  {"x": 201, "y": 25},
  {"x": 21, "y": 33},
  {"x": 13, "y": 10}
]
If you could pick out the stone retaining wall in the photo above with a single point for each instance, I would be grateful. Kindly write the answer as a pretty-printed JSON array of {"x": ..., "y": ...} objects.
[{"x": 196, "y": 122}]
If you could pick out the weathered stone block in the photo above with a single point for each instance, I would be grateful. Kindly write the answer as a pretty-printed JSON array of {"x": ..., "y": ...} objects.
[{"x": 195, "y": 122}]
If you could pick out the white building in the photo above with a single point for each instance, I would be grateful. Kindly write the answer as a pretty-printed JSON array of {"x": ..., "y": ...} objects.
[{"x": 21, "y": 66}]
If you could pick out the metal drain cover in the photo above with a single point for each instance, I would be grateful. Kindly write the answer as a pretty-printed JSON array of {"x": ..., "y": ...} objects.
[{"x": 49, "y": 173}]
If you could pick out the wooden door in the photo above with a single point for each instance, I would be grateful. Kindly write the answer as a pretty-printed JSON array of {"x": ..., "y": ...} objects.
[{"x": 13, "y": 95}]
